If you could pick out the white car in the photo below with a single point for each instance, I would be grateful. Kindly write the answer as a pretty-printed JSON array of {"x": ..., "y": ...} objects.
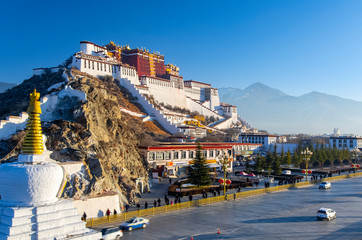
[
  {"x": 326, "y": 213},
  {"x": 325, "y": 185},
  {"x": 287, "y": 172},
  {"x": 111, "y": 233}
]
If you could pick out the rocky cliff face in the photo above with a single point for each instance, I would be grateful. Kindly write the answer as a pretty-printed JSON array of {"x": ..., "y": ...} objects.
[{"x": 105, "y": 139}]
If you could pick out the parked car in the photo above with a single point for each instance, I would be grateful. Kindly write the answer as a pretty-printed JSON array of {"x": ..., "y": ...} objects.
[
  {"x": 326, "y": 213},
  {"x": 287, "y": 172},
  {"x": 325, "y": 185},
  {"x": 135, "y": 223},
  {"x": 111, "y": 233}
]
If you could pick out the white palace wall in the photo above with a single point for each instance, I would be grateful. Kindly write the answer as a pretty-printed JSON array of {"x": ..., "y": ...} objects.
[
  {"x": 164, "y": 91},
  {"x": 150, "y": 109},
  {"x": 97, "y": 68}
]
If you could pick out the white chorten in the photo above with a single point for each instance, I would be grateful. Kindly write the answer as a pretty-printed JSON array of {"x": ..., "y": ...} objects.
[{"x": 29, "y": 207}]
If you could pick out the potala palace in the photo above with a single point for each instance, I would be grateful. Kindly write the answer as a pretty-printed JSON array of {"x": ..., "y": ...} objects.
[{"x": 147, "y": 77}]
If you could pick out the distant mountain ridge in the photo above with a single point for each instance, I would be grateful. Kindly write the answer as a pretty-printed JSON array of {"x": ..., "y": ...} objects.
[
  {"x": 312, "y": 113},
  {"x": 5, "y": 86}
]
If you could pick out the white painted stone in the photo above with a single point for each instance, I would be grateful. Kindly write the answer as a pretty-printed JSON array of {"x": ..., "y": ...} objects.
[
  {"x": 35, "y": 184},
  {"x": 59, "y": 220}
]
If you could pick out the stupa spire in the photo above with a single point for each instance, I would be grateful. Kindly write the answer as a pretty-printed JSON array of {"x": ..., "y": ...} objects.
[{"x": 33, "y": 141}]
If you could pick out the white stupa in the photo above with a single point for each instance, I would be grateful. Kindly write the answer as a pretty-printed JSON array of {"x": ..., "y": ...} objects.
[{"x": 29, "y": 207}]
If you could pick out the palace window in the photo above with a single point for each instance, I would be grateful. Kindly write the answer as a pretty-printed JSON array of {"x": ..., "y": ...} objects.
[
  {"x": 175, "y": 155},
  {"x": 191, "y": 154},
  {"x": 159, "y": 156},
  {"x": 151, "y": 156},
  {"x": 211, "y": 153},
  {"x": 167, "y": 155},
  {"x": 204, "y": 153},
  {"x": 183, "y": 155}
]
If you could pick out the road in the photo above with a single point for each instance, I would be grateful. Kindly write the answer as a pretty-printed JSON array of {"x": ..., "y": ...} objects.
[{"x": 281, "y": 215}]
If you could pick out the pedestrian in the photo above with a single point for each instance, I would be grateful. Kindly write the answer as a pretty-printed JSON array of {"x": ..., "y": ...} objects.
[
  {"x": 169, "y": 180},
  {"x": 171, "y": 203},
  {"x": 146, "y": 205},
  {"x": 214, "y": 193},
  {"x": 179, "y": 200},
  {"x": 84, "y": 217},
  {"x": 108, "y": 212},
  {"x": 138, "y": 206},
  {"x": 218, "y": 192},
  {"x": 234, "y": 196},
  {"x": 115, "y": 212},
  {"x": 175, "y": 200},
  {"x": 159, "y": 202},
  {"x": 190, "y": 197},
  {"x": 127, "y": 206},
  {"x": 167, "y": 201},
  {"x": 205, "y": 194},
  {"x": 155, "y": 203}
]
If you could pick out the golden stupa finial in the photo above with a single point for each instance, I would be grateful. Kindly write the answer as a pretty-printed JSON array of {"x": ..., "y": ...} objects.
[
  {"x": 33, "y": 141},
  {"x": 34, "y": 105}
]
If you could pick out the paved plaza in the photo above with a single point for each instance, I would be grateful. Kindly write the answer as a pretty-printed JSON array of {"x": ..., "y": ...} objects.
[{"x": 288, "y": 214}]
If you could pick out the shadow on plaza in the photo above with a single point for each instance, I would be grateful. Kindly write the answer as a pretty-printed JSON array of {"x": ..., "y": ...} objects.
[
  {"x": 281, "y": 220},
  {"x": 352, "y": 231},
  {"x": 205, "y": 236}
]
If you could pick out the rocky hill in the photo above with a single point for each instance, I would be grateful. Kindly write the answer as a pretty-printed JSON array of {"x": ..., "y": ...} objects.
[{"x": 95, "y": 132}]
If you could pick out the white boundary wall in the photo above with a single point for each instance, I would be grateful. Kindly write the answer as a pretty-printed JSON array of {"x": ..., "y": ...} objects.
[
  {"x": 195, "y": 106},
  {"x": 97, "y": 206},
  {"x": 12, "y": 124}
]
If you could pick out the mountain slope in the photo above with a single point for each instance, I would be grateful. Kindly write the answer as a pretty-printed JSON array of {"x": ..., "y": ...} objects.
[
  {"x": 314, "y": 113},
  {"x": 5, "y": 86},
  {"x": 94, "y": 132}
]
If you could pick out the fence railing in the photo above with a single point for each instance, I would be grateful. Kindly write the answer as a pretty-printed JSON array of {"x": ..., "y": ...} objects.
[{"x": 174, "y": 207}]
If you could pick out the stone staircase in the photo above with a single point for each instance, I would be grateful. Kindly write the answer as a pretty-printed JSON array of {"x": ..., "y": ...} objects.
[
  {"x": 60, "y": 221},
  {"x": 149, "y": 107}
]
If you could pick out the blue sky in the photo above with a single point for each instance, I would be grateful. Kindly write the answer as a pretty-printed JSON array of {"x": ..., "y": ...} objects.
[{"x": 294, "y": 46}]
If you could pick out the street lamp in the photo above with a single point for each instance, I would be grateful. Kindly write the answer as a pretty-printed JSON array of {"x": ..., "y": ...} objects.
[
  {"x": 306, "y": 156},
  {"x": 355, "y": 151},
  {"x": 224, "y": 162}
]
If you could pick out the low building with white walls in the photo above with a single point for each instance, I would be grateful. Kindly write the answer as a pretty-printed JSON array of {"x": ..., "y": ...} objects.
[
  {"x": 261, "y": 138},
  {"x": 172, "y": 159},
  {"x": 345, "y": 142}
]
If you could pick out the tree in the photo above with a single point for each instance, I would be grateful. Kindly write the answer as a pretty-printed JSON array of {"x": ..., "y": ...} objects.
[
  {"x": 276, "y": 162},
  {"x": 282, "y": 156},
  {"x": 260, "y": 163},
  {"x": 200, "y": 172},
  {"x": 276, "y": 167},
  {"x": 269, "y": 160},
  {"x": 289, "y": 158}
]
